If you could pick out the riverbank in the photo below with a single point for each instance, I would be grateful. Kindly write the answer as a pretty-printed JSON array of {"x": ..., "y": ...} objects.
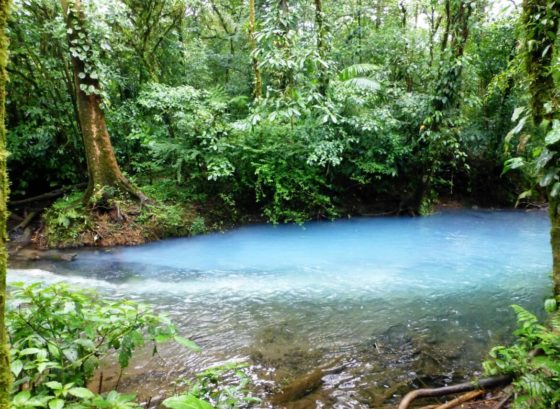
[{"x": 66, "y": 223}]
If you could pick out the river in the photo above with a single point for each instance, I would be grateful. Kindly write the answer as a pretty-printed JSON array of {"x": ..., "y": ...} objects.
[{"x": 391, "y": 302}]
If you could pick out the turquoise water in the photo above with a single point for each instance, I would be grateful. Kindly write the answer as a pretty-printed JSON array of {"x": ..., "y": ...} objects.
[{"x": 414, "y": 300}]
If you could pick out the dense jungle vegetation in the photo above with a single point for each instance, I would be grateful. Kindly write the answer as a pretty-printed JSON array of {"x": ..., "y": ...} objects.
[
  {"x": 151, "y": 118},
  {"x": 222, "y": 111}
]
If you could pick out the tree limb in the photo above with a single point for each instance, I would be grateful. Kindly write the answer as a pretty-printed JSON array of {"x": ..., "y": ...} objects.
[{"x": 459, "y": 388}]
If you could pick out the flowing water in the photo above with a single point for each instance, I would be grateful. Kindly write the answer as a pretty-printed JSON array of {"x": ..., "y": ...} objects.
[{"x": 379, "y": 304}]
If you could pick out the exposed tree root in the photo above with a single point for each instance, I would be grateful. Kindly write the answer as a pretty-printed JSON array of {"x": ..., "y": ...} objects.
[{"x": 459, "y": 388}]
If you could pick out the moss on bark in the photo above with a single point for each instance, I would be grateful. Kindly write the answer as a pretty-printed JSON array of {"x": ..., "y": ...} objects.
[
  {"x": 103, "y": 169},
  {"x": 5, "y": 374},
  {"x": 541, "y": 20}
]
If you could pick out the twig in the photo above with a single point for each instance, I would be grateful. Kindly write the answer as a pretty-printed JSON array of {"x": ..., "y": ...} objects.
[
  {"x": 461, "y": 399},
  {"x": 119, "y": 379},
  {"x": 459, "y": 388},
  {"x": 100, "y": 383},
  {"x": 503, "y": 402}
]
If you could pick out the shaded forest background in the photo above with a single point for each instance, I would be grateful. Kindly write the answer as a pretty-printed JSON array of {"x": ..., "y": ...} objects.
[{"x": 288, "y": 109}]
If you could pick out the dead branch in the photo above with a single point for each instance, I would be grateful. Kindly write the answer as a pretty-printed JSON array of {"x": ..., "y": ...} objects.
[
  {"x": 503, "y": 402},
  {"x": 25, "y": 222},
  {"x": 459, "y": 388},
  {"x": 461, "y": 399},
  {"x": 49, "y": 195}
]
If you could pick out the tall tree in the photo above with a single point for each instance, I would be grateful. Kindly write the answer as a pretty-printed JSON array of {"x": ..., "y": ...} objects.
[
  {"x": 5, "y": 375},
  {"x": 103, "y": 169},
  {"x": 540, "y": 21},
  {"x": 257, "y": 90},
  {"x": 321, "y": 45},
  {"x": 438, "y": 142}
]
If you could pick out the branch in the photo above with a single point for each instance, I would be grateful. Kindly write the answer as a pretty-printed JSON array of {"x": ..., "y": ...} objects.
[
  {"x": 459, "y": 388},
  {"x": 44, "y": 196}
]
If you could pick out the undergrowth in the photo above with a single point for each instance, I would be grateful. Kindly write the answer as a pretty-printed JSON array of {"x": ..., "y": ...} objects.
[
  {"x": 69, "y": 222},
  {"x": 59, "y": 336},
  {"x": 533, "y": 360}
]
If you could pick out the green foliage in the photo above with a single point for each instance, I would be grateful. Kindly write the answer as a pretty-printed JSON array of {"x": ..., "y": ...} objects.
[
  {"x": 66, "y": 219},
  {"x": 220, "y": 387},
  {"x": 534, "y": 360},
  {"x": 361, "y": 111},
  {"x": 59, "y": 336}
]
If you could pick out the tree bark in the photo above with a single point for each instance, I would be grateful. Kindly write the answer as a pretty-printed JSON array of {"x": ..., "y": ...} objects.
[
  {"x": 103, "y": 169},
  {"x": 5, "y": 374},
  {"x": 554, "y": 214},
  {"x": 320, "y": 29},
  {"x": 539, "y": 52},
  {"x": 257, "y": 91}
]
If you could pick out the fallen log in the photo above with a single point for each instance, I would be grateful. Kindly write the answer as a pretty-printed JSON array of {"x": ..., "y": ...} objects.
[
  {"x": 459, "y": 388},
  {"x": 25, "y": 222},
  {"x": 49, "y": 195}
]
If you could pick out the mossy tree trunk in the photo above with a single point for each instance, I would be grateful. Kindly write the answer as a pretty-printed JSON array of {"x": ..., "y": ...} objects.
[
  {"x": 554, "y": 213},
  {"x": 320, "y": 30},
  {"x": 5, "y": 374},
  {"x": 540, "y": 21},
  {"x": 105, "y": 177},
  {"x": 257, "y": 91}
]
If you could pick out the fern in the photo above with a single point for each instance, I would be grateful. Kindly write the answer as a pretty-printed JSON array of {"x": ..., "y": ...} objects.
[
  {"x": 534, "y": 360},
  {"x": 357, "y": 70},
  {"x": 524, "y": 317},
  {"x": 360, "y": 76}
]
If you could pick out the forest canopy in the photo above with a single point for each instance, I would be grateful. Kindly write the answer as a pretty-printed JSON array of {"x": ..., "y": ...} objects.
[{"x": 288, "y": 109}]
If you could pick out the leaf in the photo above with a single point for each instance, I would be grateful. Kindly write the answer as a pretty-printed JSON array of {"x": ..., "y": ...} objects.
[
  {"x": 518, "y": 128},
  {"x": 513, "y": 163},
  {"x": 54, "y": 385},
  {"x": 555, "y": 189},
  {"x": 16, "y": 367},
  {"x": 29, "y": 351},
  {"x": 543, "y": 159},
  {"x": 83, "y": 393},
  {"x": 56, "y": 404},
  {"x": 21, "y": 398},
  {"x": 548, "y": 177},
  {"x": 366, "y": 84},
  {"x": 516, "y": 113},
  {"x": 187, "y": 343},
  {"x": 552, "y": 137},
  {"x": 356, "y": 70},
  {"x": 550, "y": 305},
  {"x": 186, "y": 402}
]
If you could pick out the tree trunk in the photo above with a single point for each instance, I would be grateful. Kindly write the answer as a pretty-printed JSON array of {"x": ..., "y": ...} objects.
[
  {"x": 540, "y": 40},
  {"x": 320, "y": 29},
  {"x": 554, "y": 214},
  {"x": 378, "y": 13},
  {"x": 105, "y": 177},
  {"x": 5, "y": 374},
  {"x": 257, "y": 91}
]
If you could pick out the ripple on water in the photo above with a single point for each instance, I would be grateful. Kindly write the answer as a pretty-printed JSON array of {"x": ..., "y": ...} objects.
[{"x": 395, "y": 299}]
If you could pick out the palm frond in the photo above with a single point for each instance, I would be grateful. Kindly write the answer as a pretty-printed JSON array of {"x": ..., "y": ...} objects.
[
  {"x": 357, "y": 70},
  {"x": 367, "y": 84}
]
